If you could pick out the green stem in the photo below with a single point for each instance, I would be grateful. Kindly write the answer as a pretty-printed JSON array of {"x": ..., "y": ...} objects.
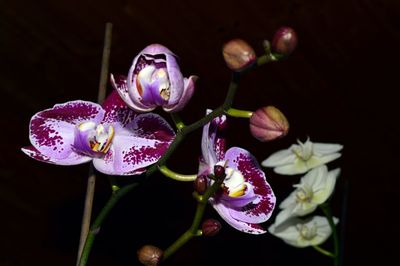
[
  {"x": 323, "y": 251},
  {"x": 177, "y": 120},
  {"x": 200, "y": 123},
  {"x": 94, "y": 229},
  {"x": 238, "y": 113},
  {"x": 179, "y": 177},
  {"x": 194, "y": 231},
  {"x": 328, "y": 213}
]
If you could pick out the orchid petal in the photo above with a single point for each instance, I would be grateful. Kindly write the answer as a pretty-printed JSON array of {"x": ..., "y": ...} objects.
[
  {"x": 245, "y": 163},
  {"x": 250, "y": 228},
  {"x": 315, "y": 161},
  {"x": 291, "y": 231},
  {"x": 52, "y": 131},
  {"x": 188, "y": 91},
  {"x": 176, "y": 82},
  {"x": 72, "y": 159},
  {"x": 136, "y": 146},
  {"x": 121, "y": 85},
  {"x": 281, "y": 157},
  {"x": 326, "y": 148},
  {"x": 298, "y": 167},
  {"x": 117, "y": 111}
]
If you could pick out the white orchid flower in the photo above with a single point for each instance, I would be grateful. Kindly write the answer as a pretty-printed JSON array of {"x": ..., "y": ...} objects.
[
  {"x": 300, "y": 158},
  {"x": 314, "y": 189},
  {"x": 312, "y": 231}
]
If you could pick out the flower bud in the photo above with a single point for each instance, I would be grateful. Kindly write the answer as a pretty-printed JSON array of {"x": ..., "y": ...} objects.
[
  {"x": 150, "y": 255},
  {"x": 200, "y": 184},
  {"x": 268, "y": 123},
  {"x": 219, "y": 171},
  {"x": 210, "y": 227},
  {"x": 238, "y": 54},
  {"x": 284, "y": 41}
]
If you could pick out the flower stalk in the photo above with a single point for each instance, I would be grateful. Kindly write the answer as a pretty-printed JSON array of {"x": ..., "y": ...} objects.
[
  {"x": 87, "y": 212},
  {"x": 328, "y": 213},
  {"x": 194, "y": 230},
  {"x": 95, "y": 228},
  {"x": 178, "y": 177}
]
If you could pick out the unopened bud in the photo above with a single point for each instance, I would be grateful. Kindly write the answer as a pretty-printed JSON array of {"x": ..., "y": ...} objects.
[
  {"x": 150, "y": 255},
  {"x": 210, "y": 227},
  {"x": 284, "y": 41},
  {"x": 268, "y": 123},
  {"x": 238, "y": 54},
  {"x": 200, "y": 184},
  {"x": 219, "y": 171}
]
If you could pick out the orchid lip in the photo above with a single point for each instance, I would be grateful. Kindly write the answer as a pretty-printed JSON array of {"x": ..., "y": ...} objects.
[
  {"x": 234, "y": 184},
  {"x": 153, "y": 85},
  {"x": 94, "y": 140}
]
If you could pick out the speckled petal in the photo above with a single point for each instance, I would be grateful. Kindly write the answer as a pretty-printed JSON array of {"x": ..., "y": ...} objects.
[
  {"x": 249, "y": 228},
  {"x": 72, "y": 159},
  {"x": 122, "y": 86},
  {"x": 117, "y": 111},
  {"x": 261, "y": 209},
  {"x": 136, "y": 146},
  {"x": 188, "y": 91},
  {"x": 52, "y": 131}
]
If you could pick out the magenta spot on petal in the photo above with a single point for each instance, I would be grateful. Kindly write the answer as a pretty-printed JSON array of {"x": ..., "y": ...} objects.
[
  {"x": 35, "y": 154},
  {"x": 146, "y": 153},
  {"x": 44, "y": 133},
  {"x": 252, "y": 174},
  {"x": 71, "y": 112}
]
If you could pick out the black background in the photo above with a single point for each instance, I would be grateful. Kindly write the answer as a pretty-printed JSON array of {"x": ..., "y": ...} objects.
[{"x": 338, "y": 86}]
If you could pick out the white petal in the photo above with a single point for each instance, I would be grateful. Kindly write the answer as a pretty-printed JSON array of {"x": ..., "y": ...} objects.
[
  {"x": 297, "y": 167},
  {"x": 281, "y": 157},
  {"x": 321, "y": 195},
  {"x": 326, "y": 148},
  {"x": 315, "y": 161}
]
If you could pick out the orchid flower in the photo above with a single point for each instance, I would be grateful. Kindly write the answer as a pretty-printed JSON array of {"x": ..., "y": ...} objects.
[
  {"x": 300, "y": 158},
  {"x": 119, "y": 141},
  {"x": 312, "y": 231},
  {"x": 314, "y": 189},
  {"x": 245, "y": 199},
  {"x": 155, "y": 79}
]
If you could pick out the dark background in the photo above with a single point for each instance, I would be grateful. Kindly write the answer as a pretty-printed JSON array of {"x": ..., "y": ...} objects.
[{"x": 338, "y": 86}]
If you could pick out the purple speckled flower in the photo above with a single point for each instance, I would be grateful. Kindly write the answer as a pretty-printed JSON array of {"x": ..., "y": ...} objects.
[
  {"x": 118, "y": 140},
  {"x": 245, "y": 199},
  {"x": 155, "y": 79}
]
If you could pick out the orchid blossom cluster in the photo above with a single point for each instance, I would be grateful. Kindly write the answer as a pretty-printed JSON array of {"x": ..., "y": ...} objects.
[
  {"x": 122, "y": 137},
  {"x": 314, "y": 189}
]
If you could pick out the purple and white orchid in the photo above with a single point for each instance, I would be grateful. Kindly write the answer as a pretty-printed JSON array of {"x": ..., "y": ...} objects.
[
  {"x": 155, "y": 79},
  {"x": 118, "y": 140},
  {"x": 245, "y": 199}
]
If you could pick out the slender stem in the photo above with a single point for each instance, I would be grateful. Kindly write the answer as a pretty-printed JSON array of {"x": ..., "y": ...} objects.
[
  {"x": 87, "y": 212},
  {"x": 328, "y": 213},
  {"x": 179, "y": 177},
  {"x": 95, "y": 228},
  {"x": 238, "y": 113},
  {"x": 177, "y": 120},
  {"x": 323, "y": 251},
  {"x": 201, "y": 122},
  {"x": 194, "y": 228},
  {"x": 105, "y": 62}
]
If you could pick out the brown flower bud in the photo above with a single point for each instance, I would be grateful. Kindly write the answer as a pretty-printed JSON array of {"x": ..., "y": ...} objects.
[
  {"x": 200, "y": 184},
  {"x": 268, "y": 123},
  {"x": 150, "y": 255},
  {"x": 284, "y": 41},
  {"x": 210, "y": 227},
  {"x": 219, "y": 171},
  {"x": 238, "y": 54}
]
